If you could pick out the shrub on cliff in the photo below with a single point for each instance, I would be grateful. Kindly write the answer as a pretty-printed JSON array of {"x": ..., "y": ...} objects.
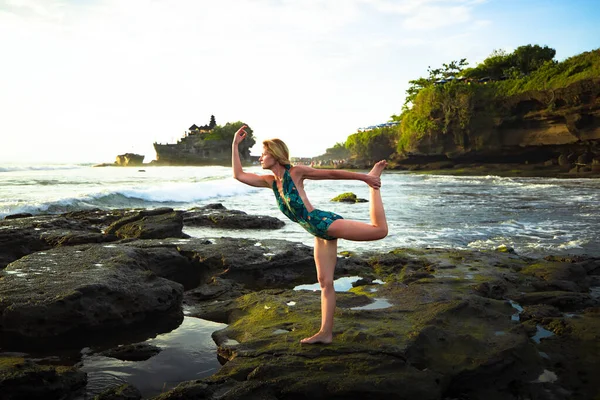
[{"x": 376, "y": 144}]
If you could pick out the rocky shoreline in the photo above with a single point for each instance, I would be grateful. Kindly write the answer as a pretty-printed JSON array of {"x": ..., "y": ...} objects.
[{"x": 419, "y": 324}]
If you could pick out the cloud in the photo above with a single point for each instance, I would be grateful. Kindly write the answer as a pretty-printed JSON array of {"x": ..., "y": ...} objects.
[{"x": 122, "y": 73}]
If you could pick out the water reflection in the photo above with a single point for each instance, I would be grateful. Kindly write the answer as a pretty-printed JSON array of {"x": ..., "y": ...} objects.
[{"x": 187, "y": 353}]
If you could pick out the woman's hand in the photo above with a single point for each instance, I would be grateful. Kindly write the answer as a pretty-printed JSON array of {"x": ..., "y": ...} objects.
[
  {"x": 373, "y": 181},
  {"x": 239, "y": 135}
]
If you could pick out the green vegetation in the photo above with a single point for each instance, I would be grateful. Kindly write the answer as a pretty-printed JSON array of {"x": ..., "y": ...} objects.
[
  {"x": 348, "y": 197},
  {"x": 456, "y": 100},
  {"x": 227, "y": 131}
]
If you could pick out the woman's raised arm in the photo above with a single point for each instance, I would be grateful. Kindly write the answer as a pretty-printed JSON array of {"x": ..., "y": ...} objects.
[{"x": 236, "y": 164}]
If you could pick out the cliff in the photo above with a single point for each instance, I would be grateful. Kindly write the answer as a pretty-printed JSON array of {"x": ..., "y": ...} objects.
[{"x": 531, "y": 127}]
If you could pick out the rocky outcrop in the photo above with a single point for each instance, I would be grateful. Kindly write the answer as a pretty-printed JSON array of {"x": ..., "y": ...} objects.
[
  {"x": 28, "y": 234},
  {"x": 151, "y": 224},
  {"x": 436, "y": 335},
  {"x": 559, "y": 126},
  {"x": 78, "y": 293},
  {"x": 217, "y": 216},
  {"x": 129, "y": 160},
  {"x": 25, "y": 379},
  {"x": 427, "y": 324}
]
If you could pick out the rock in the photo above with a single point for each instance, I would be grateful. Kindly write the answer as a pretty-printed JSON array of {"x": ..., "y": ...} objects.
[
  {"x": 585, "y": 158},
  {"x": 22, "y": 236},
  {"x": 563, "y": 161},
  {"x": 494, "y": 290},
  {"x": 24, "y": 379},
  {"x": 253, "y": 263},
  {"x": 555, "y": 275},
  {"x": 539, "y": 312},
  {"x": 418, "y": 348},
  {"x": 348, "y": 198},
  {"x": 122, "y": 392},
  {"x": 219, "y": 217},
  {"x": 505, "y": 249},
  {"x": 19, "y": 215},
  {"x": 154, "y": 224},
  {"x": 129, "y": 160},
  {"x": 573, "y": 354},
  {"x": 132, "y": 352},
  {"x": 75, "y": 295},
  {"x": 564, "y": 301}
]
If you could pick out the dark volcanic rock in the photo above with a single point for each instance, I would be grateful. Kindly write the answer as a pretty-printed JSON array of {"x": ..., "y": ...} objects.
[
  {"x": 152, "y": 224},
  {"x": 122, "y": 392},
  {"x": 26, "y": 235},
  {"x": 132, "y": 352},
  {"x": 219, "y": 217},
  {"x": 253, "y": 263},
  {"x": 437, "y": 339},
  {"x": 565, "y": 301},
  {"x": 22, "y": 379},
  {"x": 83, "y": 290},
  {"x": 19, "y": 215}
]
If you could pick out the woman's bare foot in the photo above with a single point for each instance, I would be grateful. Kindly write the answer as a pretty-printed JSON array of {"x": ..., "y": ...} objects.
[
  {"x": 319, "y": 337},
  {"x": 378, "y": 168}
]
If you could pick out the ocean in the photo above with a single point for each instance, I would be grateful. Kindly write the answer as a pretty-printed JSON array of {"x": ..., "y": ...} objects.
[{"x": 535, "y": 216}]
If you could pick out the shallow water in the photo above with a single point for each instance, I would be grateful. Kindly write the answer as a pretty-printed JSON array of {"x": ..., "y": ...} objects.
[{"x": 188, "y": 353}]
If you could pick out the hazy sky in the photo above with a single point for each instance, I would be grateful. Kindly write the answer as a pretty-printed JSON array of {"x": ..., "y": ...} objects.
[{"x": 85, "y": 80}]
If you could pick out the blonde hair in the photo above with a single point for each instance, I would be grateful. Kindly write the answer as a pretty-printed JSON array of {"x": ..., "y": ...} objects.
[{"x": 278, "y": 150}]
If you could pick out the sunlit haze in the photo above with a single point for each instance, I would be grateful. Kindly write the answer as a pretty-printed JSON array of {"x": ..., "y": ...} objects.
[{"x": 83, "y": 81}]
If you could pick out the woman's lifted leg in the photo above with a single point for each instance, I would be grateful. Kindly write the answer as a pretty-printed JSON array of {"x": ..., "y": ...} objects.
[{"x": 360, "y": 231}]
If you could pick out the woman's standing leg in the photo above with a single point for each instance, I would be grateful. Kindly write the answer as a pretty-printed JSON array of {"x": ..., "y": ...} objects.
[{"x": 325, "y": 260}]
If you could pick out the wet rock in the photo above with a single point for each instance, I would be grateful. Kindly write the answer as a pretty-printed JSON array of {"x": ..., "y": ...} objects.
[
  {"x": 494, "y": 290},
  {"x": 217, "y": 216},
  {"x": 165, "y": 260},
  {"x": 539, "y": 312},
  {"x": 24, "y": 379},
  {"x": 149, "y": 224},
  {"x": 574, "y": 352},
  {"x": 564, "y": 301},
  {"x": 217, "y": 288},
  {"x": 122, "y": 392},
  {"x": 556, "y": 275},
  {"x": 82, "y": 292},
  {"x": 253, "y": 263},
  {"x": 416, "y": 343},
  {"x": 26, "y": 235},
  {"x": 19, "y": 215},
  {"x": 132, "y": 352}
]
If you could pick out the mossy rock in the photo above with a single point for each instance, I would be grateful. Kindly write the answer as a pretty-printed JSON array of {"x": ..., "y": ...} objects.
[
  {"x": 122, "y": 392},
  {"x": 348, "y": 197},
  {"x": 23, "y": 379}
]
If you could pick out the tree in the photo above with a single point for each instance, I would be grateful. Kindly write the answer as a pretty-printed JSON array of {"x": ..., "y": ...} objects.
[
  {"x": 453, "y": 68},
  {"x": 529, "y": 58}
]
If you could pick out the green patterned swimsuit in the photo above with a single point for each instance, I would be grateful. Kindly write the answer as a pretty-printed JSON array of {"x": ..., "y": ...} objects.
[{"x": 315, "y": 222}]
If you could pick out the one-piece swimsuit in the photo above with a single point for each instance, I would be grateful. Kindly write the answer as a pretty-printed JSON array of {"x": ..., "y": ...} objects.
[{"x": 315, "y": 222}]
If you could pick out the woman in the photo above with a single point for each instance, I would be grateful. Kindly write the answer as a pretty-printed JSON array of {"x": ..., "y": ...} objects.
[{"x": 287, "y": 184}]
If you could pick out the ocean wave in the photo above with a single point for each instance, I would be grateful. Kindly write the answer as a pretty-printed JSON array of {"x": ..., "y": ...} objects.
[
  {"x": 189, "y": 192},
  {"x": 181, "y": 195},
  {"x": 41, "y": 167}
]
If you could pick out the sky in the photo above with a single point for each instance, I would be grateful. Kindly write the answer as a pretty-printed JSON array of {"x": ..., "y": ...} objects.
[{"x": 86, "y": 80}]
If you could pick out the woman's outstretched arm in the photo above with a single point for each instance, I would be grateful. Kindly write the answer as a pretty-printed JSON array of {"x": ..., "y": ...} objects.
[
  {"x": 316, "y": 174},
  {"x": 236, "y": 163}
]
